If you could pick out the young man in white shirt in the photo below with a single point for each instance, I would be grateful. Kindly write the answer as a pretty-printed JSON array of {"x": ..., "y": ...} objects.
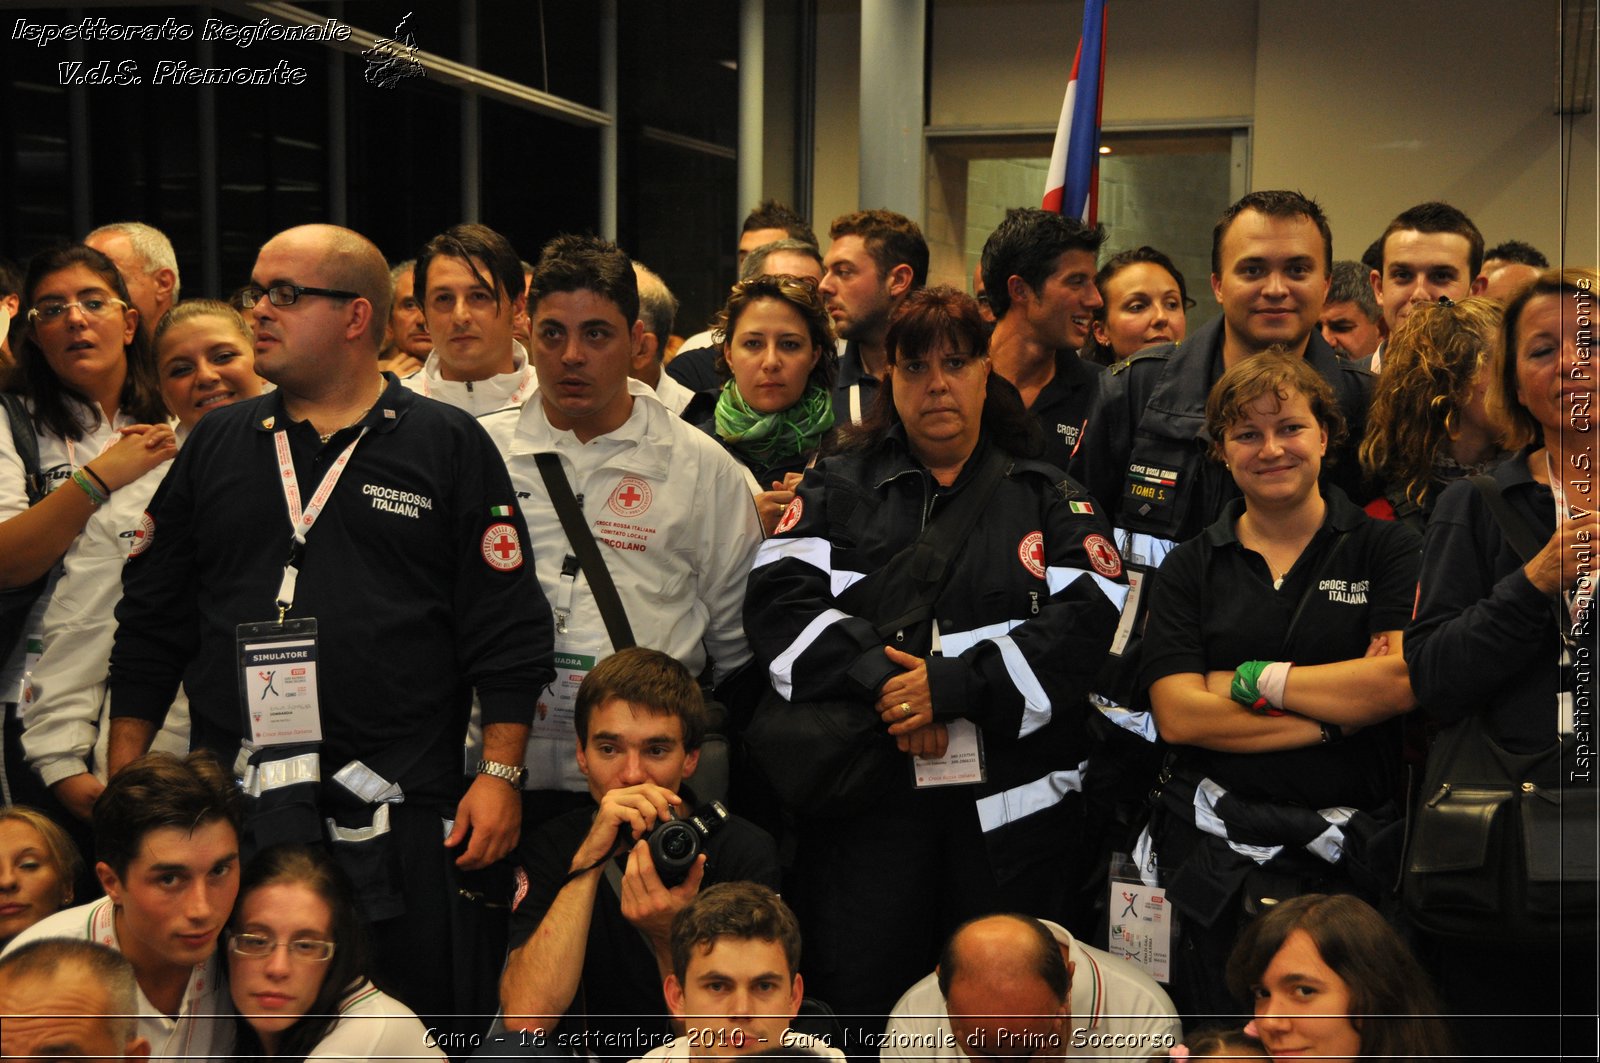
[{"x": 167, "y": 832}]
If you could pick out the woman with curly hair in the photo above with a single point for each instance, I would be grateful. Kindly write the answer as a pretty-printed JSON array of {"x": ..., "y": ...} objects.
[
  {"x": 1329, "y": 979},
  {"x": 1428, "y": 425}
]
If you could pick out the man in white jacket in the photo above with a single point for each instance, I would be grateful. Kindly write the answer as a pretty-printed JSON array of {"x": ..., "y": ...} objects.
[
  {"x": 671, "y": 512},
  {"x": 469, "y": 281}
]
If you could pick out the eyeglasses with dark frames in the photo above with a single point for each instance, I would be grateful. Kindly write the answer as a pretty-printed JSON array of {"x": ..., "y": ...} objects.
[{"x": 285, "y": 295}]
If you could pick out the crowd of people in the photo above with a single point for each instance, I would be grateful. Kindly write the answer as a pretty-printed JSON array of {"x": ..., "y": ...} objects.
[{"x": 444, "y": 659}]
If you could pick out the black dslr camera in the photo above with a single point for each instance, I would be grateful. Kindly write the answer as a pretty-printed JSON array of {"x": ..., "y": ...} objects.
[{"x": 675, "y": 843}]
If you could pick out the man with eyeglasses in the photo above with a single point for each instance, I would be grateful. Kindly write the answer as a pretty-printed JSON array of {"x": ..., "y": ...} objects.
[
  {"x": 1038, "y": 274},
  {"x": 358, "y": 548},
  {"x": 167, "y": 834}
]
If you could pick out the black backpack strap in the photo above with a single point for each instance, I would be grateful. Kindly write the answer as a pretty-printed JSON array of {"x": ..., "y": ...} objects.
[
  {"x": 587, "y": 550},
  {"x": 25, "y": 441},
  {"x": 924, "y": 564},
  {"x": 1523, "y": 539}
]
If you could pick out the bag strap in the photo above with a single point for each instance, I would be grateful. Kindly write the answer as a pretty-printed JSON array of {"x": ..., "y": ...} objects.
[
  {"x": 26, "y": 443},
  {"x": 588, "y": 552},
  {"x": 1316, "y": 578},
  {"x": 925, "y": 563},
  {"x": 1519, "y": 533},
  {"x": 1523, "y": 539}
]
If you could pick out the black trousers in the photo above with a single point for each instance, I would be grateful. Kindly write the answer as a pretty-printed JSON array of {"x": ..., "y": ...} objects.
[{"x": 878, "y": 896}]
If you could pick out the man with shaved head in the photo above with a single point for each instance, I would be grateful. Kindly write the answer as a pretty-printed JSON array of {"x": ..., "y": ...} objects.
[
  {"x": 346, "y": 556},
  {"x": 1015, "y": 987}
]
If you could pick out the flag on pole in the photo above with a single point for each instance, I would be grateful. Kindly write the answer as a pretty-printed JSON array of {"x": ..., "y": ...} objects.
[{"x": 1071, "y": 185}]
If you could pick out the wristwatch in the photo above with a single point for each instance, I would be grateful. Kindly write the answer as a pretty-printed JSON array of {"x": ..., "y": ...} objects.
[{"x": 513, "y": 774}]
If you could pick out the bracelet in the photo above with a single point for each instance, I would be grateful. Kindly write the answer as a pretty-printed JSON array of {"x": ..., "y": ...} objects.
[
  {"x": 95, "y": 497},
  {"x": 96, "y": 478},
  {"x": 1331, "y": 733}
]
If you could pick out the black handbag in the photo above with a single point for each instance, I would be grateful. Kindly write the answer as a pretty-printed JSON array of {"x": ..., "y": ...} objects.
[
  {"x": 16, "y": 602},
  {"x": 1499, "y": 848},
  {"x": 831, "y": 759}
]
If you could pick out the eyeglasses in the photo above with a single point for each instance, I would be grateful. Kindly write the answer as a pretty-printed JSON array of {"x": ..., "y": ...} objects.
[
  {"x": 52, "y": 312},
  {"x": 258, "y": 946},
  {"x": 284, "y": 295}
]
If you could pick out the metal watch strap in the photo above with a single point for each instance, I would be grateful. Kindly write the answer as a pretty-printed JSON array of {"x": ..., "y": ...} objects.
[{"x": 513, "y": 774}]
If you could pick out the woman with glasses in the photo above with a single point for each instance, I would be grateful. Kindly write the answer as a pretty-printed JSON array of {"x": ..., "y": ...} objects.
[
  {"x": 297, "y": 968},
  {"x": 85, "y": 392},
  {"x": 775, "y": 409},
  {"x": 204, "y": 362},
  {"x": 996, "y": 672}
]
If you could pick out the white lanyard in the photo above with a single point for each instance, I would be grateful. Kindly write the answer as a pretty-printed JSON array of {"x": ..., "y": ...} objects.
[{"x": 300, "y": 522}]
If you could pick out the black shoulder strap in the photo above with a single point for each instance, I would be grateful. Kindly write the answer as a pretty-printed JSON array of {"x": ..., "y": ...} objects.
[
  {"x": 587, "y": 551},
  {"x": 1523, "y": 539},
  {"x": 924, "y": 564},
  {"x": 26, "y": 442},
  {"x": 1316, "y": 578}
]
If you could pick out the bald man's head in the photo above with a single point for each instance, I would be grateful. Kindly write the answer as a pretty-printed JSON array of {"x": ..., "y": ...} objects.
[
  {"x": 1007, "y": 988},
  {"x": 347, "y": 261}
]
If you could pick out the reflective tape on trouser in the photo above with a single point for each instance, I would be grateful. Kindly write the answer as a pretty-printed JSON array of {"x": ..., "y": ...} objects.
[
  {"x": 379, "y": 827},
  {"x": 367, "y": 784},
  {"x": 276, "y": 774}
]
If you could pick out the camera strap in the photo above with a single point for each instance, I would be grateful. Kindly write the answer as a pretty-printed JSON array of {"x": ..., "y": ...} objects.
[{"x": 613, "y": 875}]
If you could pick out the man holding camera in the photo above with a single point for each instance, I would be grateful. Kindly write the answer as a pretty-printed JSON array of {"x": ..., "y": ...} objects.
[{"x": 592, "y": 916}]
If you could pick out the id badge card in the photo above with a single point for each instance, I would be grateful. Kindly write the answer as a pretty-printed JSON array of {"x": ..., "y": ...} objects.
[
  {"x": 962, "y": 763},
  {"x": 278, "y": 682}
]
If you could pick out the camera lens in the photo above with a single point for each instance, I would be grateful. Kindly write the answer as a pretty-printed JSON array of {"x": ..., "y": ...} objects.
[{"x": 677, "y": 844}]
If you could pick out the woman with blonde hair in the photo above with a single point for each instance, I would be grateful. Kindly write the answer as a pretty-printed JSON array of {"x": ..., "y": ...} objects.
[{"x": 1429, "y": 424}]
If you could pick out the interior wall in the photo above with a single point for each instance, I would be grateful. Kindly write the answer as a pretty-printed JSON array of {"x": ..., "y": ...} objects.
[{"x": 1369, "y": 105}]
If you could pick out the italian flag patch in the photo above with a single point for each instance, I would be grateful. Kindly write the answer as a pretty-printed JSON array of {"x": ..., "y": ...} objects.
[
  {"x": 1080, "y": 507},
  {"x": 499, "y": 511}
]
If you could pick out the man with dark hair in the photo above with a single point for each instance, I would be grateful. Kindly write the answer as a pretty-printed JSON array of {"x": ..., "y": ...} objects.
[
  {"x": 148, "y": 264},
  {"x": 1011, "y": 986},
  {"x": 1431, "y": 251},
  {"x": 1351, "y": 322},
  {"x": 695, "y": 366},
  {"x": 407, "y": 343},
  {"x": 64, "y": 999},
  {"x": 10, "y": 303},
  {"x": 876, "y": 259},
  {"x": 470, "y": 281},
  {"x": 1038, "y": 272},
  {"x": 1144, "y": 457},
  {"x": 592, "y": 920},
  {"x": 1507, "y": 269},
  {"x": 735, "y": 980},
  {"x": 167, "y": 834},
  {"x": 671, "y": 512},
  {"x": 770, "y": 220},
  {"x": 348, "y": 556}
]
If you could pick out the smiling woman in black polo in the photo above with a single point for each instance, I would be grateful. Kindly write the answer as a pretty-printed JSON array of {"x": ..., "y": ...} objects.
[{"x": 1273, "y": 666}]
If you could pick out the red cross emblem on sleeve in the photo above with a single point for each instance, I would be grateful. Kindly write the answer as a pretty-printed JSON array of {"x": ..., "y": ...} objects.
[
  {"x": 1031, "y": 553},
  {"x": 502, "y": 548}
]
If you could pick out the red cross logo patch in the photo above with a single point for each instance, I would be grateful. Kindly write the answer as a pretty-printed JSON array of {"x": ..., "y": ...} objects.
[
  {"x": 791, "y": 516},
  {"x": 1031, "y": 553},
  {"x": 143, "y": 535},
  {"x": 1103, "y": 556},
  {"x": 631, "y": 497},
  {"x": 502, "y": 548}
]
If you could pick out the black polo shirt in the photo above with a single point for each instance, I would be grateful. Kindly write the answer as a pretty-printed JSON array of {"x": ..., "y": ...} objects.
[
  {"x": 1215, "y": 607},
  {"x": 1063, "y": 406}
]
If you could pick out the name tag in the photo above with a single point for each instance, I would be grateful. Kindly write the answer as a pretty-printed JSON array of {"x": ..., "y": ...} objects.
[{"x": 278, "y": 682}]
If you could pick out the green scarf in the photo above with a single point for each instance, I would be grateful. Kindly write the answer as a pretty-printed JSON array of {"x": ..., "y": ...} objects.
[{"x": 771, "y": 438}]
